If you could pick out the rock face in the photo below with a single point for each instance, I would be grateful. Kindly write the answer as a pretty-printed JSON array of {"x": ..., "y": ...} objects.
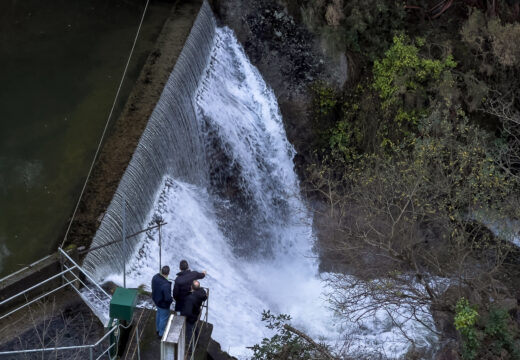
[
  {"x": 286, "y": 54},
  {"x": 216, "y": 353}
]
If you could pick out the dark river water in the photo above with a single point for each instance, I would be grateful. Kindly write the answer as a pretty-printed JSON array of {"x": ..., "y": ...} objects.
[{"x": 60, "y": 65}]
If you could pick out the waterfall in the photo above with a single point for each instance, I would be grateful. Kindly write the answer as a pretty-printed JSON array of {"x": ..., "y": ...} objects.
[
  {"x": 214, "y": 162},
  {"x": 245, "y": 222},
  {"x": 170, "y": 144}
]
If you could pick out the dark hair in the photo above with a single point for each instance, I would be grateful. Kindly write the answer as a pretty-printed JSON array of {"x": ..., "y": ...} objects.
[
  {"x": 165, "y": 270},
  {"x": 183, "y": 265},
  {"x": 195, "y": 285}
]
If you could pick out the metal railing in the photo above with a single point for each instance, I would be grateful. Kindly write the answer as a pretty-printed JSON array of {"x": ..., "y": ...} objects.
[
  {"x": 90, "y": 347},
  {"x": 72, "y": 275}
]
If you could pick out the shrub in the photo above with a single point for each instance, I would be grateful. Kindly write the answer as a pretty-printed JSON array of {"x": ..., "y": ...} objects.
[
  {"x": 287, "y": 343},
  {"x": 465, "y": 319},
  {"x": 404, "y": 70},
  {"x": 498, "y": 329}
]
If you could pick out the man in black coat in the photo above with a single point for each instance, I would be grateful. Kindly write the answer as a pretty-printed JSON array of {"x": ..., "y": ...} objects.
[
  {"x": 191, "y": 308},
  {"x": 183, "y": 282},
  {"x": 161, "y": 296}
]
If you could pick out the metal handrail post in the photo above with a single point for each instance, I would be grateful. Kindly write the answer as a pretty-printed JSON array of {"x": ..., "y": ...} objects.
[
  {"x": 107, "y": 350},
  {"x": 85, "y": 285},
  {"x": 160, "y": 249},
  {"x": 124, "y": 240},
  {"x": 84, "y": 272},
  {"x": 137, "y": 340}
]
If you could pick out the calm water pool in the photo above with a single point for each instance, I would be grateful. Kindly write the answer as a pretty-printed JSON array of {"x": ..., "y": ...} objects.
[{"x": 60, "y": 65}]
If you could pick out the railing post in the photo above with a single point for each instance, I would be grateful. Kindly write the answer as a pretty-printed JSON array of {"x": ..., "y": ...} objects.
[
  {"x": 137, "y": 339},
  {"x": 63, "y": 280},
  {"x": 160, "y": 248},
  {"x": 124, "y": 240},
  {"x": 91, "y": 353}
]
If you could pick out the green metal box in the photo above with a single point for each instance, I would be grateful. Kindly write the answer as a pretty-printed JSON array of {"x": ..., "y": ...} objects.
[{"x": 123, "y": 303}]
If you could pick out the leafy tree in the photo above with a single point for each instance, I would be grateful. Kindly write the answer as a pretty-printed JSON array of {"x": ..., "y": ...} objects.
[
  {"x": 287, "y": 342},
  {"x": 405, "y": 224},
  {"x": 405, "y": 81}
]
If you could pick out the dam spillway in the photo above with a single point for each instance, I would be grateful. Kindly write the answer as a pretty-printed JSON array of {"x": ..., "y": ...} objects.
[{"x": 171, "y": 129}]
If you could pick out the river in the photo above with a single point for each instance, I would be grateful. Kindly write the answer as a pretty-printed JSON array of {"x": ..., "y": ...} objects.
[{"x": 60, "y": 65}]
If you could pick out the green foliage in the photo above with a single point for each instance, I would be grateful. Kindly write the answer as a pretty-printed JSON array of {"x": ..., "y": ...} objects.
[
  {"x": 465, "y": 319},
  {"x": 283, "y": 344},
  {"x": 415, "y": 139},
  {"x": 325, "y": 98},
  {"x": 364, "y": 21},
  {"x": 404, "y": 70},
  {"x": 326, "y": 102},
  {"x": 497, "y": 334},
  {"x": 71, "y": 247},
  {"x": 141, "y": 290},
  {"x": 498, "y": 329},
  {"x": 347, "y": 137},
  {"x": 452, "y": 146}
]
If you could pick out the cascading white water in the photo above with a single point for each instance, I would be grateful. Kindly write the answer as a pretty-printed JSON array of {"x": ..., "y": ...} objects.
[
  {"x": 224, "y": 183},
  {"x": 267, "y": 264}
]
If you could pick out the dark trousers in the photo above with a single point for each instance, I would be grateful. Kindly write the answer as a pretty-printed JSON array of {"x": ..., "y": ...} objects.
[{"x": 191, "y": 331}]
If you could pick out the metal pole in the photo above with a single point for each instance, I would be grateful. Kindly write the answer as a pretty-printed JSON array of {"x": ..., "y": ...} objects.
[
  {"x": 116, "y": 241},
  {"x": 91, "y": 352},
  {"x": 160, "y": 248},
  {"x": 137, "y": 339},
  {"x": 124, "y": 241}
]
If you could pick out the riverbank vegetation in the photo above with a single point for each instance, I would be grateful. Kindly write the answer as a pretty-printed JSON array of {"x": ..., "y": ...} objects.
[{"x": 416, "y": 162}]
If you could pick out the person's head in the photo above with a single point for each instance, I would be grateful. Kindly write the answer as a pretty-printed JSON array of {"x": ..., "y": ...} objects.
[
  {"x": 165, "y": 270},
  {"x": 183, "y": 265},
  {"x": 195, "y": 285}
]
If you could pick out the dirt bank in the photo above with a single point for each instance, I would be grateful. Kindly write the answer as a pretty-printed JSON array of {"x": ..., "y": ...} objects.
[{"x": 126, "y": 131}]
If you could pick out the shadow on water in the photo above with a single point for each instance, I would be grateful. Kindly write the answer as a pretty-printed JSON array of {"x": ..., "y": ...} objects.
[{"x": 60, "y": 65}]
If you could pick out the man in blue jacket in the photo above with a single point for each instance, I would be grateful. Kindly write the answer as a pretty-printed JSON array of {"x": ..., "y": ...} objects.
[
  {"x": 161, "y": 295},
  {"x": 183, "y": 283}
]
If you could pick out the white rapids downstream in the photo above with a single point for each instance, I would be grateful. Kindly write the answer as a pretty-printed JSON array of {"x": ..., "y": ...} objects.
[{"x": 242, "y": 219}]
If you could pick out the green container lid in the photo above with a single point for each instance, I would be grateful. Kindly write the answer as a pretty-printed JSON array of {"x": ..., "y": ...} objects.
[{"x": 123, "y": 303}]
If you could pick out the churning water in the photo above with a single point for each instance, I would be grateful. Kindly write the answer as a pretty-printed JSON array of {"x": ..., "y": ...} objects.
[
  {"x": 216, "y": 165},
  {"x": 247, "y": 227}
]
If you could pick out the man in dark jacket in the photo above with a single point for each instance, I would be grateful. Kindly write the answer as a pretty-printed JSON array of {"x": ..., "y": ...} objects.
[
  {"x": 191, "y": 308},
  {"x": 161, "y": 295},
  {"x": 183, "y": 283}
]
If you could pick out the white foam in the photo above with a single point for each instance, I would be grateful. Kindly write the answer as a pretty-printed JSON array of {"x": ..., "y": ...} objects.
[{"x": 235, "y": 106}]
